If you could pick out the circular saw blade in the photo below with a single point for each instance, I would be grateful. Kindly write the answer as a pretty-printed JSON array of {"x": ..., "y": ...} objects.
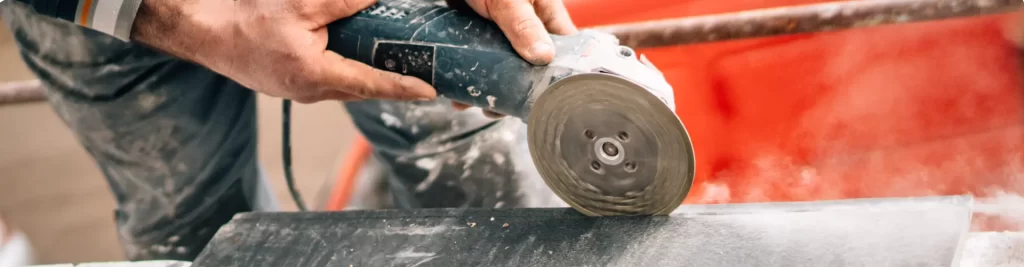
[{"x": 608, "y": 147}]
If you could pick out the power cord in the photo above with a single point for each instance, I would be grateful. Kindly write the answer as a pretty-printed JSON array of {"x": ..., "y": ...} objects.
[{"x": 286, "y": 153}]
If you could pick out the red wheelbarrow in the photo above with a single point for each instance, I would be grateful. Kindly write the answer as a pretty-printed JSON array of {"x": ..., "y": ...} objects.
[{"x": 929, "y": 108}]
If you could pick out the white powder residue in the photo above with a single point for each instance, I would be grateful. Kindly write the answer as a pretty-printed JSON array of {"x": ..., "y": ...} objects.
[
  {"x": 390, "y": 120},
  {"x": 490, "y": 101},
  {"x": 426, "y": 163}
]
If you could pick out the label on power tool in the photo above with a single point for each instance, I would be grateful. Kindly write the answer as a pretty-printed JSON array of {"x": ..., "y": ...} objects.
[{"x": 405, "y": 58}]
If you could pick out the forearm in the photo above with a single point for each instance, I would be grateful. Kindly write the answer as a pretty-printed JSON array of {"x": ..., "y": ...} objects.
[
  {"x": 167, "y": 25},
  {"x": 114, "y": 17}
]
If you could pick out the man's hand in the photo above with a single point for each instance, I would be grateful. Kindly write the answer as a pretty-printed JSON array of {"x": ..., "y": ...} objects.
[
  {"x": 527, "y": 24},
  {"x": 277, "y": 47}
]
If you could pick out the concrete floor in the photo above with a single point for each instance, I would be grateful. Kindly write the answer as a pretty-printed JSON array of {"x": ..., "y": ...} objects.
[{"x": 50, "y": 188}]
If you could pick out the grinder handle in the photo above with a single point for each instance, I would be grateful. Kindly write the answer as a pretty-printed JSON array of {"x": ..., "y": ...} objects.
[{"x": 464, "y": 56}]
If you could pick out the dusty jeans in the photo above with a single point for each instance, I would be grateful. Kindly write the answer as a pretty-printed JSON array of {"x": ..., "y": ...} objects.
[{"x": 177, "y": 142}]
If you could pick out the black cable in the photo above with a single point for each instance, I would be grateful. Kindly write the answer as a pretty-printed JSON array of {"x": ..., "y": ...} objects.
[{"x": 286, "y": 152}]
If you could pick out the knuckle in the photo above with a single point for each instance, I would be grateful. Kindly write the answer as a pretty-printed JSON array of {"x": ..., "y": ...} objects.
[
  {"x": 526, "y": 24},
  {"x": 489, "y": 4},
  {"x": 261, "y": 17},
  {"x": 347, "y": 6},
  {"x": 296, "y": 79},
  {"x": 290, "y": 79},
  {"x": 548, "y": 15},
  {"x": 396, "y": 80},
  {"x": 384, "y": 75},
  {"x": 362, "y": 90},
  {"x": 390, "y": 80},
  {"x": 298, "y": 7}
]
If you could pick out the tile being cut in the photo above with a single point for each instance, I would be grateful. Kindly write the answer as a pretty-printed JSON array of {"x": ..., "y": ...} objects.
[{"x": 869, "y": 232}]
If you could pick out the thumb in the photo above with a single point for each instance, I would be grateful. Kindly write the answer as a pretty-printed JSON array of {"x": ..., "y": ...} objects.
[
  {"x": 327, "y": 11},
  {"x": 361, "y": 80}
]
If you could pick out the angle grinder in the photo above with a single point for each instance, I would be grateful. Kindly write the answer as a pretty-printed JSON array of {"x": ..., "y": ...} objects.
[{"x": 601, "y": 120}]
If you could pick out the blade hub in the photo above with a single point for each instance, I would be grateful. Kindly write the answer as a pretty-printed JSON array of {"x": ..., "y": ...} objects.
[{"x": 611, "y": 159}]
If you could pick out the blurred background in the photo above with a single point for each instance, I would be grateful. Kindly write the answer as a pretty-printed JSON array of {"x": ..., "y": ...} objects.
[{"x": 52, "y": 190}]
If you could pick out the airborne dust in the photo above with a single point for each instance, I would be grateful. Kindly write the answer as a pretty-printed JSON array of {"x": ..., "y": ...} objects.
[{"x": 908, "y": 110}]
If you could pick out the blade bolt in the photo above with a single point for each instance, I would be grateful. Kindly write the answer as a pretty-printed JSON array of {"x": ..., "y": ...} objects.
[
  {"x": 595, "y": 165},
  {"x": 623, "y": 136},
  {"x": 630, "y": 166},
  {"x": 588, "y": 133},
  {"x": 610, "y": 149}
]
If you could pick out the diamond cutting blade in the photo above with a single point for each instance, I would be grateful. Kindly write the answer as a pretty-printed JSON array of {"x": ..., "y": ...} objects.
[{"x": 608, "y": 147}]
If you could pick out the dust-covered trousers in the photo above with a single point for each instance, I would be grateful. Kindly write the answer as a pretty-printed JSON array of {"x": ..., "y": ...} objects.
[{"x": 177, "y": 142}]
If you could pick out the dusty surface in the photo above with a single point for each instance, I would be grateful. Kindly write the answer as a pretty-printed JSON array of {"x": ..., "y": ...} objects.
[
  {"x": 50, "y": 188},
  {"x": 867, "y": 232},
  {"x": 993, "y": 249}
]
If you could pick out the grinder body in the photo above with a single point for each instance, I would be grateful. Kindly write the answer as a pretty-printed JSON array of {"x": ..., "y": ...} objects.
[
  {"x": 468, "y": 58},
  {"x": 601, "y": 120}
]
